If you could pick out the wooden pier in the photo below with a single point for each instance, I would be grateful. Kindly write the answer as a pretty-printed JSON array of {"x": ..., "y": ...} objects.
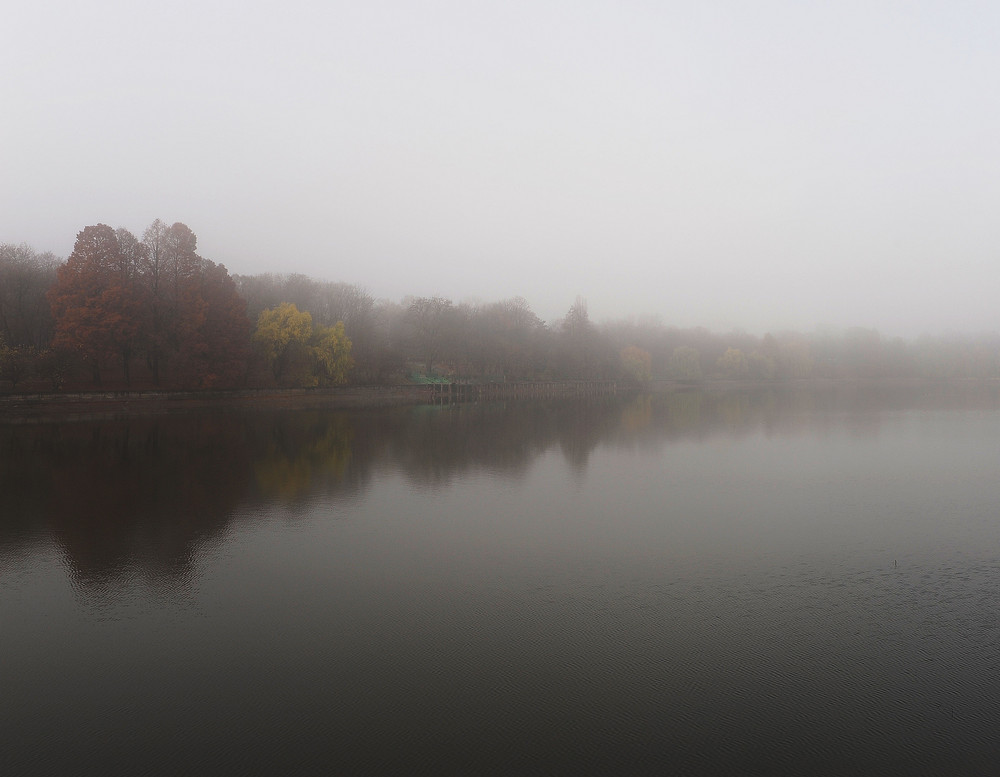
[{"x": 477, "y": 392}]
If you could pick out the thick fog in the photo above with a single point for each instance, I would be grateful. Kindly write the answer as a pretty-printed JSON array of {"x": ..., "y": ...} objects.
[{"x": 763, "y": 165}]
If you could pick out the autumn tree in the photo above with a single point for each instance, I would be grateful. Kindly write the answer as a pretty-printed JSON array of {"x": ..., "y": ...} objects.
[
  {"x": 282, "y": 336},
  {"x": 172, "y": 274},
  {"x": 96, "y": 301},
  {"x": 213, "y": 331},
  {"x": 296, "y": 352},
  {"x": 120, "y": 297},
  {"x": 328, "y": 302},
  {"x": 331, "y": 350},
  {"x": 195, "y": 328}
]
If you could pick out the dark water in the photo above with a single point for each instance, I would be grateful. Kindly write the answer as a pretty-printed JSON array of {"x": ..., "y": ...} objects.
[{"x": 762, "y": 583}]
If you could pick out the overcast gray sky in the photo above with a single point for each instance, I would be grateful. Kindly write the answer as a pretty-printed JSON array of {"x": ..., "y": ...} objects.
[{"x": 718, "y": 163}]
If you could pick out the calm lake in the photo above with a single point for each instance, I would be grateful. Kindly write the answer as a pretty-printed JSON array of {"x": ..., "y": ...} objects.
[{"x": 770, "y": 582}]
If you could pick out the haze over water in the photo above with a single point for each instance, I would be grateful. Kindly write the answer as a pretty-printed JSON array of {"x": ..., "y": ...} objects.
[{"x": 772, "y": 582}]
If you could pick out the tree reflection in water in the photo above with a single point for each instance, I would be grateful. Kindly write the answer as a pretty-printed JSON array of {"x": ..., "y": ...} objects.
[{"x": 135, "y": 499}]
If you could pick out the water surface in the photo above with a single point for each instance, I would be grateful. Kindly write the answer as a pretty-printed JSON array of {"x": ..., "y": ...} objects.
[{"x": 801, "y": 582}]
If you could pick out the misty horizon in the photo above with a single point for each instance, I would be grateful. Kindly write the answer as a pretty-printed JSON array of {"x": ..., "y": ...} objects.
[
  {"x": 554, "y": 315},
  {"x": 768, "y": 168}
]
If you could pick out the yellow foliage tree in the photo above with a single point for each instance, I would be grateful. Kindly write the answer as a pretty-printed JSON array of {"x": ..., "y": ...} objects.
[
  {"x": 282, "y": 334},
  {"x": 332, "y": 351},
  {"x": 300, "y": 354}
]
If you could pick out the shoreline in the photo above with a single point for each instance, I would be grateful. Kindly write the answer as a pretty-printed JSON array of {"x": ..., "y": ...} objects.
[
  {"x": 22, "y": 408},
  {"x": 43, "y": 406}
]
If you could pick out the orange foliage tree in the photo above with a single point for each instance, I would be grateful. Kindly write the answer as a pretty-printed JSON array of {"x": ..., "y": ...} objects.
[
  {"x": 117, "y": 297},
  {"x": 97, "y": 302},
  {"x": 213, "y": 331}
]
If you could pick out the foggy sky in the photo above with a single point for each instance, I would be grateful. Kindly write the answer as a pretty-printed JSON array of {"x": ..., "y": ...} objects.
[{"x": 765, "y": 165}]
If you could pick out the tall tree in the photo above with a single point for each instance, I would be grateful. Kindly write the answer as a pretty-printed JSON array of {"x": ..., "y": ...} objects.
[
  {"x": 213, "y": 331},
  {"x": 118, "y": 296},
  {"x": 197, "y": 331},
  {"x": 96, "y": 302}
]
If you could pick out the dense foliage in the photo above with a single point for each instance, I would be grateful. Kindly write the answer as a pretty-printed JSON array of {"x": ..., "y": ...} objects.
[
  {"x": 118, "y": 301},
  {"x": 126, "y": 312}
]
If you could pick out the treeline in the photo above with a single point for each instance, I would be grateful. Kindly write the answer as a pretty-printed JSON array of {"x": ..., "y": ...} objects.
[
  {"x": 119, "y": 306},
  {"x": 125, "y": 312}
]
